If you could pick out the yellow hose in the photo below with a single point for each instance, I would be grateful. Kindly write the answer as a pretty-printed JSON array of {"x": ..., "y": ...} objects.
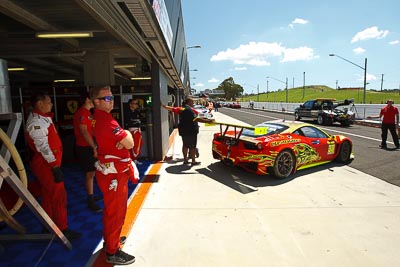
[{"x": 20, "y": 166}]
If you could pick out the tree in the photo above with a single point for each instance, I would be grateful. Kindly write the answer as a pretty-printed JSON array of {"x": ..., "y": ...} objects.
[{"x": 231, "y": 89}]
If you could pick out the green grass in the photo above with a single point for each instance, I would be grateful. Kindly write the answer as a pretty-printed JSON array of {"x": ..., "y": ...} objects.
[{"x": 295, "y": 95}]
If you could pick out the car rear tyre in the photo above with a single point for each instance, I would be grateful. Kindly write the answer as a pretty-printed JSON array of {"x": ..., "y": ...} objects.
[
  {"x": 284, "y": 164},
  {"x": 296, "y": 116},
  {"x": 320, "y": 120},
  {"x": 344, "y": 153}
]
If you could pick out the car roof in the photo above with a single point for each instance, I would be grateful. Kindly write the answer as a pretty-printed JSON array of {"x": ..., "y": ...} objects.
[{"x": 329, "y": 99}]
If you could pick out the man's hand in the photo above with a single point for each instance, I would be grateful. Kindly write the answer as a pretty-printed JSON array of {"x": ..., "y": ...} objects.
[{"x": 58, "y": 174}]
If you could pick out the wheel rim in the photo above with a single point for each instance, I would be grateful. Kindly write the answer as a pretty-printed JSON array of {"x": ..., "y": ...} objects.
[
  {"x": 345, "y": 151},
  {"x": 296, "y": 116},
  {"x": 285, "y": 164},
  {"x": 320, "y": 120}
]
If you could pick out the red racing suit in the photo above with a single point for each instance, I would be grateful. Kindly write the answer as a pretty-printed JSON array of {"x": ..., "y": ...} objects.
[
  {"x": 113, "y": 170},
  {"x": 46, "y": 145}
]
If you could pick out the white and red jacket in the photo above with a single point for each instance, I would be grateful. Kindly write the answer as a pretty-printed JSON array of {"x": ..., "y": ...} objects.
[{"x": 43, "y": 138}]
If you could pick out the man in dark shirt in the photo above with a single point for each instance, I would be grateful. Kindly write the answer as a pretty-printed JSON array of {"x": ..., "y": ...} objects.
[
  {"x": 133, "y": 125},
  {"x": 188, "y": 129}
]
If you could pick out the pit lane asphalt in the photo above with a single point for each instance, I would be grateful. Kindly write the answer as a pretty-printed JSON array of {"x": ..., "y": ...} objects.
[
  {"x": 213, "y": 215},
  {"x": 365, "y": 134}
]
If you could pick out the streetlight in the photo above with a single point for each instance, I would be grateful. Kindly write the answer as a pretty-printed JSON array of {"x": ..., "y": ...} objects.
[
  {"x": 365, "y": 72},
  {"x": 195, "y": 46},
  {"x": 286, "y": 85}
]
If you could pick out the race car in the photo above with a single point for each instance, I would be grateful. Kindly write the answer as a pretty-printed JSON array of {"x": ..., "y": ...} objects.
[{"x": 279, "y": 148}]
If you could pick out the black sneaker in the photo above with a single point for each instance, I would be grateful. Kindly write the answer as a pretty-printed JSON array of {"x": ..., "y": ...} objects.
[
  {"x": 71, "y": 235},
  {"x": 97, "y": 198},
  {"x": 382, "y": 146},
  {"x": 122, "y": 240},
  {"x": 93, "y": 206},
  {"x": 120, "y": 258}
]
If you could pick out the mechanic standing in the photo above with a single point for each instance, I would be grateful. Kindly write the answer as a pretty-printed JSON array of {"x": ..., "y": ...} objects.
[
  {"x": 390, "y": 122},
  {"x": 113, "y": 170},
  {"x": 86, "y": 150},
  {"x": 133, "y": 124},
  {"x": 45, "y": 143}
]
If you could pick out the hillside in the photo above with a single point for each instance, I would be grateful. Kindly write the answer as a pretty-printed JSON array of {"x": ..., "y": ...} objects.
[{"x": 295, "y": 95}]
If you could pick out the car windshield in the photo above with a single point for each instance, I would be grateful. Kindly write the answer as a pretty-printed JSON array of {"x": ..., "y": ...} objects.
[{"x": 264, "y": 129}]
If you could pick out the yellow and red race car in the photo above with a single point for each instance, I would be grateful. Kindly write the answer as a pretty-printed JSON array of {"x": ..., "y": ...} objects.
[{"x": 279, "y": 148}]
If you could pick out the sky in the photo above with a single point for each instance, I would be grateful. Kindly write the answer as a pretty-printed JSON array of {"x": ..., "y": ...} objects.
[{"x": 289, "y": 39}]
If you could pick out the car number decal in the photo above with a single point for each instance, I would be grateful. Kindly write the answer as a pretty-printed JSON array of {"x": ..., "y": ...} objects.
[
  {"x": 260, "y": 130},
  {"x": 331, "y": 147}
]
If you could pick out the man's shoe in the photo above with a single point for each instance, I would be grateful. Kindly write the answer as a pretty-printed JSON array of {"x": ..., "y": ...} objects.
[
  {"x": 71, "y": 235},
  {"x": 97, "y": 198},
  {"x": 195, "y": 163},
  {"x": 93, "y": 206},
  {"x": 122, "y": 240},
  {"x": 120, "y": 258},
  {"x": 382, "y": 146}
]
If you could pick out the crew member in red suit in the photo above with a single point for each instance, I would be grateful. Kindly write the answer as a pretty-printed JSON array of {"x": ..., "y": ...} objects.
[
  {"x": 113, "y": 170},
  {"x": 390, "y": 121},
  {"x": 45, "y": 163},
  {"x": 133, "y": 125},
  {"x": 86, "y": 150}
]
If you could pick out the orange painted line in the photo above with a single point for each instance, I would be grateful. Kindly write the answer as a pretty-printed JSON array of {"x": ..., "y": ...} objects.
[{"x": 135, "y": 204}]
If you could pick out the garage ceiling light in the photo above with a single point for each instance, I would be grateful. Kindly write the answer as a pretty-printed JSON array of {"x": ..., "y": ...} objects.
[
  {"x": 64, "y": 81},
  {"x": 122, "y": 66},
  {"x": 140, "y": 78},
  {"x": 15, "y": 69},
  {"x": 64, "y": 34}
]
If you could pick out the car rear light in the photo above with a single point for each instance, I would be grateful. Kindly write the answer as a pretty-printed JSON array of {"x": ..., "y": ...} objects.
[
  {"x": 230, "y": 141},
  {"x": 259, "y": 146}
]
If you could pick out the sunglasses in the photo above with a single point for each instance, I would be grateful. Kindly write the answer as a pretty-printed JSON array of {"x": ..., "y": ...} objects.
[{"x": 107, "y": 98}]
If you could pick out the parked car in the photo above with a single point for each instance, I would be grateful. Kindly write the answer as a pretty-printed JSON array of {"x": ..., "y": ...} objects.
[
  {"x": 325, "y": 111},
  {"x": 279, "y": 148},
  {"x": 200, "y": 108},
  {"x": 234, "y": 105}
]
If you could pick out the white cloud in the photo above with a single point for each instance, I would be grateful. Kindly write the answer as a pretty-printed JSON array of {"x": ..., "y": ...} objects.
[
  {"x": 358, "y": 50},
  {"x": 240, "y": 68},
  {"x": 370, "y": 33},
  {"x": 299, "y": 21},
  {"x": 296, "y": 54},
  {"x": 213, "y": 80},
  {"x": 259, "y": 53},
  {"x": 394, "y": 42}
]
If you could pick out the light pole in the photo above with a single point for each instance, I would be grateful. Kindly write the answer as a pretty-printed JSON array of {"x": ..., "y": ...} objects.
[
  {"x": 286, "y": 85},
  {"x": 304, "y": 83},
  {"x": 195, "y": 46},
  {"x": 363, "y": 68}
]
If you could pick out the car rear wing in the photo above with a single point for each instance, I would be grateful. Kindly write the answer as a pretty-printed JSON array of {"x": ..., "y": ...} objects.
[
  {"x": 345, "y": 102},
  {"x": 238, "y": 130}
]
